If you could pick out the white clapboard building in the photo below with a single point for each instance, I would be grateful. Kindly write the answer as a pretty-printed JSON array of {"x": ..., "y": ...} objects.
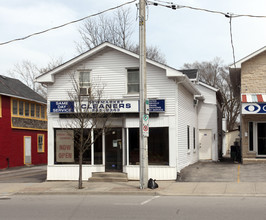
[{"x": 173, "y": 123}]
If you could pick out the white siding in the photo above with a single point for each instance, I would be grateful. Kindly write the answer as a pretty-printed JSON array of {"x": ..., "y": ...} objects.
[
  {"x": 187, "y": 116},
  {"x": 207, "y": 117}
]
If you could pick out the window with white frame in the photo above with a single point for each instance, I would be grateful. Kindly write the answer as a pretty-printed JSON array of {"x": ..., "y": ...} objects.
[
  {"x": 84, "y": 82},
  {"x": 132, "y": 81}
]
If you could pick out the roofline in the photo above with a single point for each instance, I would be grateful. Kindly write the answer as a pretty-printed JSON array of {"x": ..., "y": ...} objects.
[
  {"x": 239, "y": 62},
  {"x": 208, "y": 86},
  {"x": 20, "y": 97},
  {"x": 99, "y": 48}
]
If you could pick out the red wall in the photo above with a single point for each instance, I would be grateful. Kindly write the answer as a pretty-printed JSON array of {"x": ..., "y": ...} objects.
[{"x": 12, "y": 141}]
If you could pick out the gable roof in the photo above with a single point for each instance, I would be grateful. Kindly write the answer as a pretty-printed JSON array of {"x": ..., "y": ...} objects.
[
  {"x": 170, "y": 72},
  {"x": 15, "y": 88},
  {"x": 239, "y": 63}
]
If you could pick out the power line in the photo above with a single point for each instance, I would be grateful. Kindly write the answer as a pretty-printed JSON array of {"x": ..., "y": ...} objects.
[
  {"x": 176, "y": 6},
  {"x": 63, "y": 25}
]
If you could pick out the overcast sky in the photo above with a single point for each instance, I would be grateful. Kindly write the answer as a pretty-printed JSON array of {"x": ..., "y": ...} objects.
[{"x": 183, "y": 35}]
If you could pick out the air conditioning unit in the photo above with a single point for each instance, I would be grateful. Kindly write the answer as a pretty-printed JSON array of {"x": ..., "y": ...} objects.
[{"x": 84, "y": 91}]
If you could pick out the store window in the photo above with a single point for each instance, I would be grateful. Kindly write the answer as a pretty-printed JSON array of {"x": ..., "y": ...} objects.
[
  {"x": 250, "y": 126},
  {"x": 67, "y": 146},
  {"x": 98, "y": 148},
  {"x": 40, "y": 143},
  {"x": 158, "y": 146},
  {"x": 132, "y": 81},
  {"x": 84, "y": 82}
]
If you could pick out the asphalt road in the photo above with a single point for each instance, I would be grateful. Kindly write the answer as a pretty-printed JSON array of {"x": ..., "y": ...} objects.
[
  {"x": 32, "y": 174},
  {"x": 131, "y": 207}
]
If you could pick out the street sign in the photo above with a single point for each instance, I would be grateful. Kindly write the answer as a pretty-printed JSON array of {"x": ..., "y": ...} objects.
[{"x": 145, "y": 130}]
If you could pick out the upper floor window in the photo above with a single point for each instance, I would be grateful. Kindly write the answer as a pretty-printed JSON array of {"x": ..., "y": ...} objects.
[
  {"x": 84, "y": 82},
  {"x": 28, "y": 109},
  {"x": 132, "y": 81}
]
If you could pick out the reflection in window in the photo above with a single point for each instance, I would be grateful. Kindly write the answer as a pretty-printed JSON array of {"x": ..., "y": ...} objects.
[{"x": 158, "y": 146}]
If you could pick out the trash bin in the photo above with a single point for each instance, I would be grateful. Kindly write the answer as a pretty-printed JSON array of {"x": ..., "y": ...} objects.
[{"x": 233, "y": 152}]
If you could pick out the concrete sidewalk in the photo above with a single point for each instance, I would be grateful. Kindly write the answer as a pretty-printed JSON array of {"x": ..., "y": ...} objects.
[{"x": 169, "y": 188}]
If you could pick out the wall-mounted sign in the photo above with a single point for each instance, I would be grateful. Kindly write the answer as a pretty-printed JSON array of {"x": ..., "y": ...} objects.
[
  {"x": 65, "y": 146},
  {"x": 253, "y": 108},
  {"x": 113, "y": 106},
  {"x": 61, "y": 106},
  {"x": 157, "y": 105}
]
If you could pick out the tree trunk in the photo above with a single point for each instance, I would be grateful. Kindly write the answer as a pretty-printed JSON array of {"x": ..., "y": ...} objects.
[{"x": 80, "y": 169}]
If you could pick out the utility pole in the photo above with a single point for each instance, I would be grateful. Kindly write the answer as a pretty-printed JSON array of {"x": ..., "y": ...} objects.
[{"x": 143, "y": 112}]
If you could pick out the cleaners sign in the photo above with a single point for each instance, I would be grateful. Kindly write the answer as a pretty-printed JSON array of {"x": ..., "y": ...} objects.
[
  {"x": 253, "y": 108},
  {"x": 112, "y": 106}
]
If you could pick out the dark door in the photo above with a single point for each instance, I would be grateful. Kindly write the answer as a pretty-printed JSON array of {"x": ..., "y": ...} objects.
[{"x": 113, "y": 150}]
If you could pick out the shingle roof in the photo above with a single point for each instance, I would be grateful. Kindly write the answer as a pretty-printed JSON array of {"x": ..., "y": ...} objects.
[
  {"x": 15, "y": 88},
  {"x": 191, "y": 73}
]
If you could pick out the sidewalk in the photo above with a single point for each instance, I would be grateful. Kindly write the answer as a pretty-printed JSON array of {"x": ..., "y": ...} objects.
[{"x": 166, "y": 188}]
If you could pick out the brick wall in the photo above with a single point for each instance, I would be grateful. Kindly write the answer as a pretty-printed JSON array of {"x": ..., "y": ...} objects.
[{"x": 253, "y": 75}]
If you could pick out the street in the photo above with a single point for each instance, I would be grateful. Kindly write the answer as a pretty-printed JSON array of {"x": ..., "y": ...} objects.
[{"x": 130, "y": 207}]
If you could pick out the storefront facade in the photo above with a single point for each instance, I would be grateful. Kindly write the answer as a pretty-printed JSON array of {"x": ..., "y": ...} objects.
[
  {"x": 173, "y": 120},
  {"x": 250, "y": 75}
]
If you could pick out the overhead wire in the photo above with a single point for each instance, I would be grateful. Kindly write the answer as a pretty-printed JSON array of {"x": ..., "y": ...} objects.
[{"x": 68, "y": 23}]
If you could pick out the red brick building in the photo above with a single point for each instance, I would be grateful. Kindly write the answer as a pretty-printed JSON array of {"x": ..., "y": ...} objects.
[{"x": 23, "y": 125}]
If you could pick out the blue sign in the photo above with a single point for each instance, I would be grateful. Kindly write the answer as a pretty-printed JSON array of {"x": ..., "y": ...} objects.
[
  {"x": 253, "y": 108},
  {"x": 157, "y": 105},
  {"x": 62, "y": 107}
]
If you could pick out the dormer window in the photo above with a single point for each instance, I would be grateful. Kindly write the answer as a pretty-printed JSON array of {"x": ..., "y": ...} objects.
[
  {"x": 84, "y": 82},
  {"x": 132, "y": 81}
]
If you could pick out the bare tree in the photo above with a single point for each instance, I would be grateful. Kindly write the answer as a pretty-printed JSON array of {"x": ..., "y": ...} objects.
[
  {"x": 216, "y": 74},
  {"x": 26, "y": 71},
  {"x": 88, "y": 116},
  {"x": 116, "y": 29}
]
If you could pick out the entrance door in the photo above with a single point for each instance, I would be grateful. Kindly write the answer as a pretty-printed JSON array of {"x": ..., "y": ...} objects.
[
  {"x": 261, "y": 139},
  {"x": 27, "y": 150},
  {"x": 205, "y": 140},
  {"x": 113, "y": 150}
]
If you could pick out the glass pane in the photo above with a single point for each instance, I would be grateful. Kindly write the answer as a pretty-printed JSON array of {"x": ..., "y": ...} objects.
[
  {"x": 40, "y": 143},
  {"x": 42, "y": 112},
  {"x": 98, "y": 152},
  {"x": 32, "y": 110},
  {"x": 261, "y": 138},
  {"x": 250, "y": 124},
  {"x": 21, "y": 108},
  {"x": 158, "y": 147},
  {"x": 27, "y": 109},
  {"x": 133, "y": 88},
  {"x": 133, "y": 76},
  {"x": 15, "y": 107},
  {"x": 84, "y": 78},
  {"x": 133, "y": 136},
  {"x": 37, "y": 111}
]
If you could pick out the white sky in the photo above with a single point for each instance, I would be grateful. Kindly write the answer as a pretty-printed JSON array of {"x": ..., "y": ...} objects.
[{"x": 183, "y": 35}]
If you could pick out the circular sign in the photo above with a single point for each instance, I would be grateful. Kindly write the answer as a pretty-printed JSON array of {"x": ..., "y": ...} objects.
[{"x": 145, "y": 128}]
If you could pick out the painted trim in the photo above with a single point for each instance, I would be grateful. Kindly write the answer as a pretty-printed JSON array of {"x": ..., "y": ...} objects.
[{"x": 43, "y": 140}]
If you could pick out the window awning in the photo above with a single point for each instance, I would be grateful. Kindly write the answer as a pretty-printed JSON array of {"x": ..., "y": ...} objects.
[{"x": 253, "y": 98}]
